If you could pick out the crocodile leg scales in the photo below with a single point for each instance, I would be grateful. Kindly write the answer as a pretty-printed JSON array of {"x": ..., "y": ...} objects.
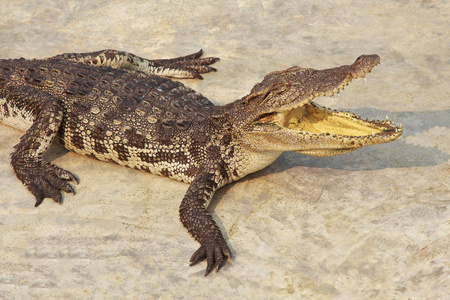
[
  {"x": 201, "y": 225},
  {"x": 43, "y": 179},
  {"x": 189, "y": 66}
]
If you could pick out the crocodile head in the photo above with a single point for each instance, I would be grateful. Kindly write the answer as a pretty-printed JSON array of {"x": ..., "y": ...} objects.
[{"x": 279, "y": 115}]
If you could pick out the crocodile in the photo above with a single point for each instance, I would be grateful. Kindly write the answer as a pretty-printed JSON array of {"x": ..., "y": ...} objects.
[{"x": 118, "y": 107}]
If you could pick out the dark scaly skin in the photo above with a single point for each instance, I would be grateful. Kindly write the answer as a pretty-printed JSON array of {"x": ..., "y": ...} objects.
[
  {"x": 189, "y": 66},
  {"x": 42, "y": 178},
  {"x": 110, "y": 105},
  {"x": 214, "y": 248}
]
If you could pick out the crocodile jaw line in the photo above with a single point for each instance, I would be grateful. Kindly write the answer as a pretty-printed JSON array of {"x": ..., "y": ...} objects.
[{"x": 327, "y": 132}]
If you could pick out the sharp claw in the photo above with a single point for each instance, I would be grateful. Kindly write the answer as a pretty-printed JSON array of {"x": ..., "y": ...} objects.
[
  {"x": 216, "y": 257},
  {"x": 228, "y": 253},
  {"x": 49, "y": 181},
  {"x": 58, "y": 199},
  {"x": 38, "y": 202},
  {"x": 73, "y": 178},
  {"x": 196, "y": 75},
  {"x": 193, "y": 263},
  {"x": 71, "y": 190},
  {"x": 208, "y": 270},
  {"x": 198, "y": 256},
  {"x": 198, "y": 54},
  {"x": 219, "y": 265}
]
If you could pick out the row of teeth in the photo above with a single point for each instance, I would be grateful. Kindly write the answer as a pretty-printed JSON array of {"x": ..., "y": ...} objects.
[
  {"x": 349, "y": 114},
  {"x": 321, "y": 135},
  {"x": 396, "y": 131},
  {"x": 329, "y": 93},
  {"x": 339, "y": 88},
  {"x": 333, "y": 135}
]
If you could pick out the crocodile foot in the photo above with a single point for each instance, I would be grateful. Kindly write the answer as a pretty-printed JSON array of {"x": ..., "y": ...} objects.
[
  {"x": 215, "y": 251},
  {"x": 46, "y": 180},
  {"x": 189, "y": 66}
]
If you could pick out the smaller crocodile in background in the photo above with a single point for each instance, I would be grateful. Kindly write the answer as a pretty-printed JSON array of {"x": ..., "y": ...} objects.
[{"x": 116, "y": 106}]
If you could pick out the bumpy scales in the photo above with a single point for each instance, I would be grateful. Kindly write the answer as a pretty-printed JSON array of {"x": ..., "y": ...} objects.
[{"x": 115, "y": 106}]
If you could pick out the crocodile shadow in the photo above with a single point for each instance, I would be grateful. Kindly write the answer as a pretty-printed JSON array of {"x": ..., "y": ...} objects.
[{"x": 398, "y": 154}]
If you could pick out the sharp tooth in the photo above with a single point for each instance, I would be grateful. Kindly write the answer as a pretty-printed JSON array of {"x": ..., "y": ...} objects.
[
  {"x": 373, "y": 133},
  {"x": 387, "y": 119},
  {"x": 396, "y": 130}
]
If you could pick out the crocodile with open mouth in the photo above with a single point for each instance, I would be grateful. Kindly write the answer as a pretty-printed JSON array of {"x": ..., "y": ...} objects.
[{"x": 116, "y": 106}]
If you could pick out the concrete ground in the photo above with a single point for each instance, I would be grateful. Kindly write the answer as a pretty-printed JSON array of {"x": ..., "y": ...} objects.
[{"x": 371, "y": 224}]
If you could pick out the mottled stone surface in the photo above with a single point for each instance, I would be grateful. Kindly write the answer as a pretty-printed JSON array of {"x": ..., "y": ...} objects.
[{"x": 371, "y": 224}]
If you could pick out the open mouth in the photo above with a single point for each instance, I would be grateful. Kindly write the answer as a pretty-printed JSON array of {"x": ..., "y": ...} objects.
[
  {"x": 336, "y": 132},
  {"x": 289, "y": 118}
]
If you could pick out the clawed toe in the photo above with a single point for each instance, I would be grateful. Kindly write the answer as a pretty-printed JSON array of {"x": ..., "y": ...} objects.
[
  {"x": 192, "y": 65},
  {"x": 46, "y": 181},
  {"x": 216, "y": 256}
]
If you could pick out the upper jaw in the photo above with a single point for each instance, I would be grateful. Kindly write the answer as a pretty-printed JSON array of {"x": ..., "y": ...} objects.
[
  {"x": 297, "y": 86},
  {"x": 287, "y": 117}
]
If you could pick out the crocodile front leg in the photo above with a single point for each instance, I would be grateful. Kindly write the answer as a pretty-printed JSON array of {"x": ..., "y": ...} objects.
[
  {"x": 43, "y": 179},
  {"x": 201, "y": 225},
  {"x": 189, "y": 66}
]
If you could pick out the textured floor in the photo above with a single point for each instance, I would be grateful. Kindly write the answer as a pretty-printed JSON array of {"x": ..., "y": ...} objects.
[{"x": 371, "y": 224}]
